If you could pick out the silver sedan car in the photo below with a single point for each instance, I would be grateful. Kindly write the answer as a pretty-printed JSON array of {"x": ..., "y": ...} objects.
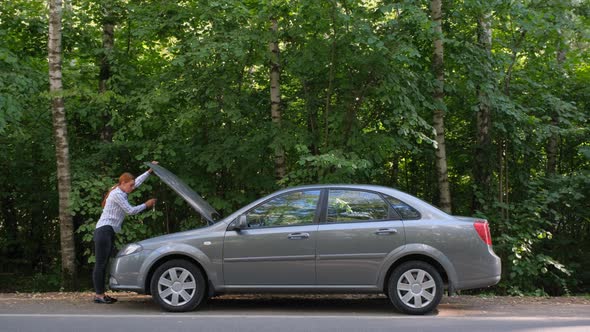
[{"x": 313, "y": 239}]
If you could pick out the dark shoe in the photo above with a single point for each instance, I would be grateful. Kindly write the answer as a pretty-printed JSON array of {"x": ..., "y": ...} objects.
[
  {"x": 112, "y": 299},
  {"x": 103, "y": 300}
]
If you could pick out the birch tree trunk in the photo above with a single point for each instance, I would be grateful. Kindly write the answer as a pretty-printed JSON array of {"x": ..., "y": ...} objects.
[
  {"x": 482, "y": 168},
  {"x": 68, "y": 254},
  {"x": 275, "y": 96},
  {"x": 108, "y": 40},
  {"x": 552, "y": 147},
  {"x": 553, "y": 143},
  {"x": 331, "y": 74},
  {"x": 439, "y": 113}
]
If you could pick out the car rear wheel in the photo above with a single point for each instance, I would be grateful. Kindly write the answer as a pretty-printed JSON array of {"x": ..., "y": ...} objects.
[
  {"x": 415, "y": 288},
  {"x": 178, "y": 285}
]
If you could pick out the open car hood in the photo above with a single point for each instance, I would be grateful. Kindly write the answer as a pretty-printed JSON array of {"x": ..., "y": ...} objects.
[{"x": 189, "y": 195}]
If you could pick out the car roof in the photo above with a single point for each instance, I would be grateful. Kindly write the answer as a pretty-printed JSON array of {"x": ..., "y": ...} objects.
[{"x": 369, "y": 187}]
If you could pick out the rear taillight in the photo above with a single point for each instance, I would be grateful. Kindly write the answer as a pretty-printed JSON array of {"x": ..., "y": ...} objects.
[{"x": 483, "y": 229}]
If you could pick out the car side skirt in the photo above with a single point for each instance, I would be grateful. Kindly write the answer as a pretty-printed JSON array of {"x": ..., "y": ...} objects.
[{"x": 364, "y": 289}]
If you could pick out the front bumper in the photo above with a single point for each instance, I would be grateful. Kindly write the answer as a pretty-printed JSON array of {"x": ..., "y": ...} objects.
[{"x": 126, "y": 272}]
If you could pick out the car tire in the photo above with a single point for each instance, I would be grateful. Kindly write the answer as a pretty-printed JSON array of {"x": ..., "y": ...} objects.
[
  {"x": 415, "y": 288},
  {"x": 178, "y": 285}
]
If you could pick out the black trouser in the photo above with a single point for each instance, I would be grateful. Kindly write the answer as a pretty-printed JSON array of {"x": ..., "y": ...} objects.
[{"x": 104, "y": 238}]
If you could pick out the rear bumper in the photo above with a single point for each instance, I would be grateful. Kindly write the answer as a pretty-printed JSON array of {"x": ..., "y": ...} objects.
[
  {"x": 492, "y": 277},
  {"x": 478, "y": 283}
]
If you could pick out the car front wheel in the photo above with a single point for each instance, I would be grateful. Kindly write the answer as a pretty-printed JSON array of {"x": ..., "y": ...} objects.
[
  {"x": 415, "y": 288},
  {"x": 178, "y": 285}
]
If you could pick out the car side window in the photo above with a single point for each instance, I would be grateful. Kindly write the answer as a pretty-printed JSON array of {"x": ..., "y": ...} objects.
[
  {"x": 354, "y": 205},
  {"x": 291, "y": 209},
  {"x": 404, "y": 210}
]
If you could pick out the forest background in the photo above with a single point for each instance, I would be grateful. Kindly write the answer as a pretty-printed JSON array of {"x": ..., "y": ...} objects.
[{"x": 481, "y": 109}]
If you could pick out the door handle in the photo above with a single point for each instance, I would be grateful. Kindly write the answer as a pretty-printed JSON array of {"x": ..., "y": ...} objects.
[
  {"x": 298, "y": 236},
  {"x": 386, "y": 231}
]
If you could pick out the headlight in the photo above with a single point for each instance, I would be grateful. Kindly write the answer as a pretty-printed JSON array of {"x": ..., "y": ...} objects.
[{"x": 130, "y": 249}]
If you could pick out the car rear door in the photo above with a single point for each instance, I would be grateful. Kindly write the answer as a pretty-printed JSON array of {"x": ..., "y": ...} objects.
[
  {"x": 359, "y": 230},
  {"x": 278, "y": 247}
]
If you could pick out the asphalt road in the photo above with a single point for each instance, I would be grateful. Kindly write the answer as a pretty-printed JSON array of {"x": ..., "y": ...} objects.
[{"x": 288, "y": 313}]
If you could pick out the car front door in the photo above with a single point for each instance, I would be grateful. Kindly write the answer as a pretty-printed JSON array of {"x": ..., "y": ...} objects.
[
  {"x": 278, "y": 246},
  {"x": 360, "y": 229}
]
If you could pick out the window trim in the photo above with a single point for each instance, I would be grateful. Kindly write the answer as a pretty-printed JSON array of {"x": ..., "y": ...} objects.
[
  {"x": 401, "y": 218},
  {"x": 316, "y": 216},
  {"x": 390, "y": 216}
]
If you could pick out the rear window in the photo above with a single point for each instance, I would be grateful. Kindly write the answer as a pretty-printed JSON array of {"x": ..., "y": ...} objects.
[{"x": 404, "y": 210}]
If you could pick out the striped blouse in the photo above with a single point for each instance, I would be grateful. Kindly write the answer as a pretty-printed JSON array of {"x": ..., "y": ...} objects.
[{"x": 117, "y": 206}]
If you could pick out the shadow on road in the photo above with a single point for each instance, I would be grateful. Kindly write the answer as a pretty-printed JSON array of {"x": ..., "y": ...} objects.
[
  {"x": 267, "y": 304},
  {"x": 287, "y": 304}
]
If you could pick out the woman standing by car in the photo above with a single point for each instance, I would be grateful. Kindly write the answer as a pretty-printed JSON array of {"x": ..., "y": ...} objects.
[{"x": 115, "y": 208}]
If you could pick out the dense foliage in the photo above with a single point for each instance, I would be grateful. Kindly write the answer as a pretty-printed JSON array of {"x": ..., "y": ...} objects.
[{"x": 188, "y": 85}]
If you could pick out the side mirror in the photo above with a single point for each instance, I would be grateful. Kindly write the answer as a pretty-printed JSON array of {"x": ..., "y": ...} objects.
[{"x": 240, "y": 223}]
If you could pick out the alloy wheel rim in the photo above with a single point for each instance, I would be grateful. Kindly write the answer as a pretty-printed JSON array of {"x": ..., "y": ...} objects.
[
  {"x": 416, "y": 288},
  {"x": 176, "y": 286}
]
